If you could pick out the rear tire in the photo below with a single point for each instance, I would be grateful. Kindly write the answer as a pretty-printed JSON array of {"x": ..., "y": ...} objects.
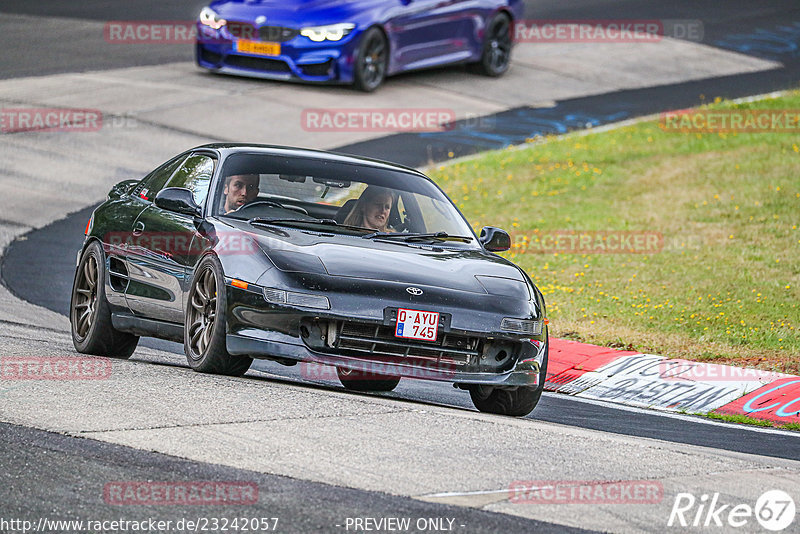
[
  {"x": 362, "y": 381},
  {"x": 90, "y": 313},
  {"x": 205, "y": 323},
  {"x": 496, "y": 55}
]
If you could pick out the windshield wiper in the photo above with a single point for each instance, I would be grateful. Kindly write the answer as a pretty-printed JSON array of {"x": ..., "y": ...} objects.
[{"x": 411, "y": 238}]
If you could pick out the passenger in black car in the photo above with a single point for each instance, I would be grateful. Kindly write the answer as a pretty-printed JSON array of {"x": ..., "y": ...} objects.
[
  {"x": 372, "y": 209},
  {"x": 240, "y": 189}
]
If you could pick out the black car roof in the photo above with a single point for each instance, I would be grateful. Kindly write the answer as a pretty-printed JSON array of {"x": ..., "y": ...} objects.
[{"x": 230, "y": 148}]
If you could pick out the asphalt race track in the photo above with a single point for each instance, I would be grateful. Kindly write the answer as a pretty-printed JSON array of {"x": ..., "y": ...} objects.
[{"x": 317, "y": 453}]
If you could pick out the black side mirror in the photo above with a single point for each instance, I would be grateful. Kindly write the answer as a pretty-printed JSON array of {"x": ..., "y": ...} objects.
[
  {"x": 494, "y": 239},
  {"x": 179, "y": 200}
]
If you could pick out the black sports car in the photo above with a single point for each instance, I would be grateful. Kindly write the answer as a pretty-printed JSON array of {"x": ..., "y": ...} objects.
[{"x": 293, "y": 255}]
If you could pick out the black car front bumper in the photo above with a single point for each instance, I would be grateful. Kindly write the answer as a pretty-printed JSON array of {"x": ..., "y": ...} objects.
[{"x": 262, "y": 330}]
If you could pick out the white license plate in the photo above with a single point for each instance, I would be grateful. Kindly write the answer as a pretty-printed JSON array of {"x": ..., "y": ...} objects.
[{"x": 416, "y": 324}]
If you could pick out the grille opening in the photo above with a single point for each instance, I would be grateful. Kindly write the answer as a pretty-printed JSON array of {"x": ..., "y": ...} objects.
[
  {"x": 210, "y": 57},
  {"x": 258, "y": 63},
  {"x": 277, "y": 34},
  {"x": 378, "y": 341},
  {"x": 317, "y": 69}
]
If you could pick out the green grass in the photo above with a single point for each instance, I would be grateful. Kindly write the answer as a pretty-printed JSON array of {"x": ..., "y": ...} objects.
[
  {"x": 746, "y": 420},
  {"x": 739, "y": 419},
  {"x": 725, "y": 287}
]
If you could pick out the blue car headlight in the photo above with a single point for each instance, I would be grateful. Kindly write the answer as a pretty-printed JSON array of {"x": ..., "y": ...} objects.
[
  {"x": 210, "y": 18},
  {"x": 333, "y": 32}
]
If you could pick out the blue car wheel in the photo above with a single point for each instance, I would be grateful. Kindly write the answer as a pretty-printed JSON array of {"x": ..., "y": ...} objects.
[
  {"x": 373, "y": 56},
  {"x": 496, "y": 56}
]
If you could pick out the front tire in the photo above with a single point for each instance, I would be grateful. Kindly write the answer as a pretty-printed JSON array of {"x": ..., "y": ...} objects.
[
  {"x": 372, "y": 61},
  {"x": 496, "y": 55},
  {"x": 364, "y": 381},
  {"x": 90, "y": 313},
  {"x": 205, "y": 323},
  {"x": 516, "y": 402}
]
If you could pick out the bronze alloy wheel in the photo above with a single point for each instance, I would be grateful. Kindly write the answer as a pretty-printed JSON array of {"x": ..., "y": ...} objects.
[
  {"x": 205, "y": 330},
  {"x": 202, "y": 313},
  {"x": 84, "y": 297},
  {"x": 92, "y": 328}
]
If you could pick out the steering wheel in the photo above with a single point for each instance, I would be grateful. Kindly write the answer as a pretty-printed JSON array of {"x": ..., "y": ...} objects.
[{"x": 272, "y": 204}]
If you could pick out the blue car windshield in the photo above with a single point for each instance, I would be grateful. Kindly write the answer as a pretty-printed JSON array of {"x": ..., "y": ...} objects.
[{"x": 378, "y": 199}]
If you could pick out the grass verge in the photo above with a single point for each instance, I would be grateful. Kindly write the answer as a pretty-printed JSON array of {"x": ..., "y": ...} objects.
[
  {"x": 724, "y": 283},
  {"x": 745, "y": 420}
]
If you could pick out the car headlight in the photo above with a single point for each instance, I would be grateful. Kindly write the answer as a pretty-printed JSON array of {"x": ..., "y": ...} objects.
[
  {"x": 334, "y": 32},
  {"x": 279, "y": 296},
  {"x": 209, "y": 17},
  {"x": 522, "y": 326}
]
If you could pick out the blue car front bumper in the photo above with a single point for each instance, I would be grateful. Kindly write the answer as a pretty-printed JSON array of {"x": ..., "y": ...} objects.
[{"x": 299, "y": 59}]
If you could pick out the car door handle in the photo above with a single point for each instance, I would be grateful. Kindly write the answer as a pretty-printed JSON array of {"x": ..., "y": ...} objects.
[{"x": 138, "y": 228}]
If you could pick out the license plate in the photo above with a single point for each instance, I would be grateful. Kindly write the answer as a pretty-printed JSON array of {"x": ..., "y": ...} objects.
[
  {"x": 416, "y": 324},
  {"x": 258, "y": 48}
]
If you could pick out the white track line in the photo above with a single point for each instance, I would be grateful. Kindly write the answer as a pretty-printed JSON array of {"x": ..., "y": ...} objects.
[{"x": 684, "y": 417}]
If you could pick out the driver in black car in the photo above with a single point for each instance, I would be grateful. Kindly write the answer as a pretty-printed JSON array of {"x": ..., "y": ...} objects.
[{"x": 240, "y": 189}]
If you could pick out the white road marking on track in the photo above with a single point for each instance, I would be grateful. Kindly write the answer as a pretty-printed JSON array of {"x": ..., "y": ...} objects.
[
  {"x": 685, "y": 417},
  {"x": 464, "y": 493}
]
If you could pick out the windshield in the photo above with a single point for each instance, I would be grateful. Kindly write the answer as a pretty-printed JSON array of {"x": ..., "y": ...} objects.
[{"x": 342, "y": 197}]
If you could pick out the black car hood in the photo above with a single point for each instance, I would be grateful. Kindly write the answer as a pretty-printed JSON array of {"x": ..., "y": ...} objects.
[
  {"x": 354, "y": 257},
  {"x": 416, "y": 266}
]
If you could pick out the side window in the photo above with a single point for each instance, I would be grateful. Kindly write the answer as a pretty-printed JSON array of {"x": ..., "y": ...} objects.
[
  {"x": 195, "y": 175},
  {"x": 154, "y": 182}
]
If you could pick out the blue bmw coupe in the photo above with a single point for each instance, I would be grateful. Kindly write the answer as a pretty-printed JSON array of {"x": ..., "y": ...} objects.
[{"x": 356, "y": 42}]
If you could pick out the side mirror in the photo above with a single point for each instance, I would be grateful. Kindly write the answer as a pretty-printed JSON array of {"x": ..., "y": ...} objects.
[
  {"x": 494, "y": 239},
  {"x": 179, "y": 200}
]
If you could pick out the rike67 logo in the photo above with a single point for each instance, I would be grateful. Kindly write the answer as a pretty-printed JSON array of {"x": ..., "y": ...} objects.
[{"x": 774, "y": 510}]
